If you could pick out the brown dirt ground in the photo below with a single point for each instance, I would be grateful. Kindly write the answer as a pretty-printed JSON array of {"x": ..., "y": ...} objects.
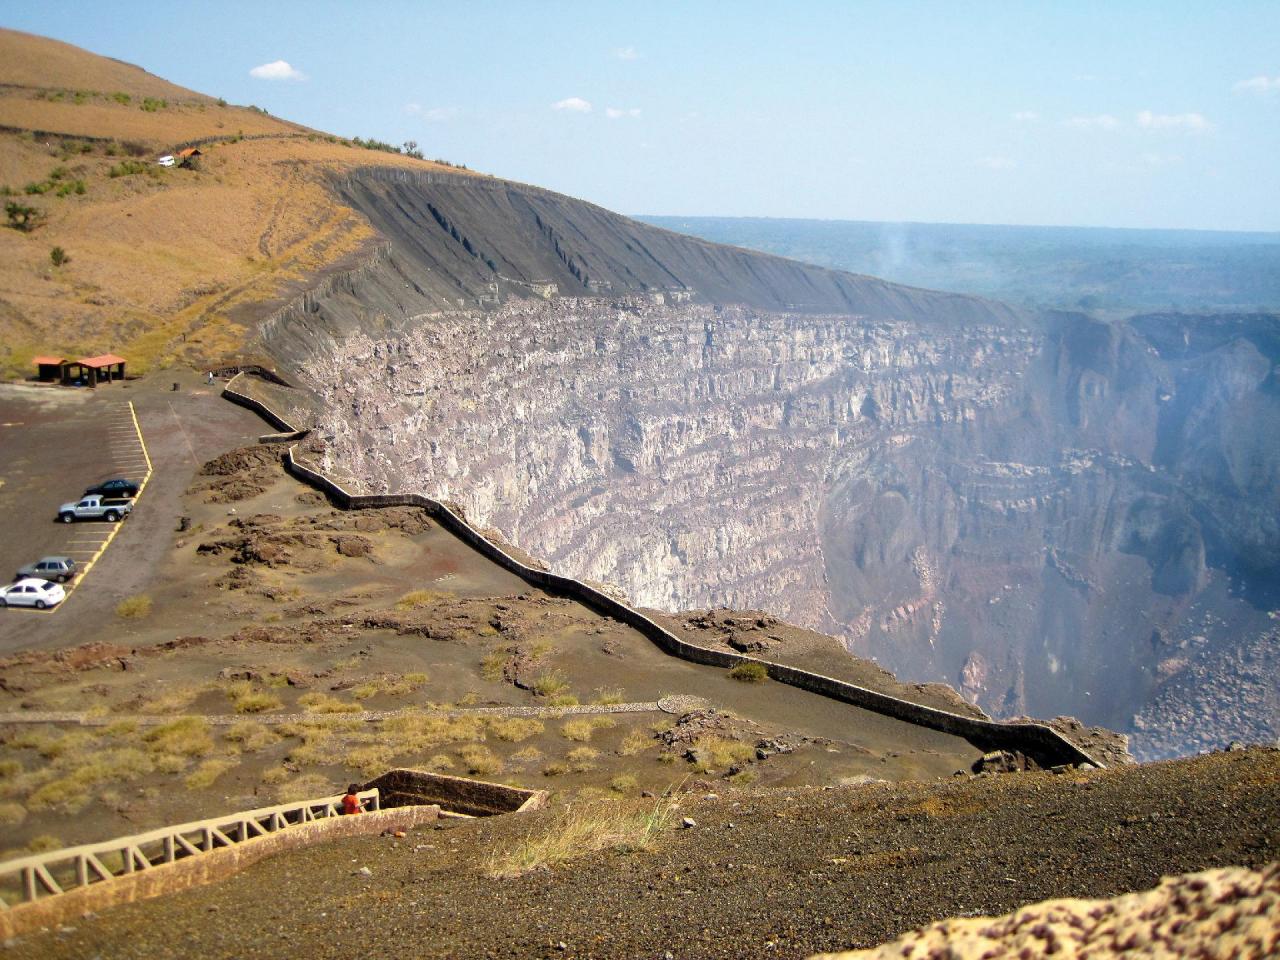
[
  {"x": 772, "y": 873},
  {"x": 168, "y": 265},
  {"x": 270, "y": 591}
]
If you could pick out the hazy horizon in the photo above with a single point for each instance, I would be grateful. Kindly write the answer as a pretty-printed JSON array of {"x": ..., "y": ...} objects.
[{"x": 1143, "y": 115}]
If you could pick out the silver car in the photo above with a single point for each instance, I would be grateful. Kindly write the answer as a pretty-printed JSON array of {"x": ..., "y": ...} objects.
[
  {"x": 32, "y": 592},
  {"x": 60, "y": 569}
]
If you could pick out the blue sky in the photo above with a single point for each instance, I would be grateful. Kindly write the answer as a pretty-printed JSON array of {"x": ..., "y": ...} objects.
[{"x": 1143, "y": 114}]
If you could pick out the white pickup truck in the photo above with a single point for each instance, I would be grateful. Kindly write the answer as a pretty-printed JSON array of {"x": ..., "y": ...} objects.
[{"x": 96, "y": 508}]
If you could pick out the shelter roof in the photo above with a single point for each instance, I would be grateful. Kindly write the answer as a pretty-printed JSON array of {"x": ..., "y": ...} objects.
[
  {"x": 106, "y": 360},
  {"x": 47, "y": 361}
]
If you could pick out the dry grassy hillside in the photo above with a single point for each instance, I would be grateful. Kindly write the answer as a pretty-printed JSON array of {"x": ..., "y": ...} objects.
[{"x": 159, "y": 264}]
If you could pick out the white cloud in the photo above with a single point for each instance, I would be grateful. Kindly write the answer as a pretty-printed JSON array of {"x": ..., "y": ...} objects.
[
  {"x": 431, "y": 114},
  {"x": 1190, "y": 122},
  {"x": 1102, "y": 121},
  {"x": 996, "y": 163},
  {"x": 1260, "y": 85},
  {"x": 627, "y": 53},
  {"x": 277, "y": 70},
  {"x": 1026, "y": 116},
  {"x": 573, "y": 105},
  {"x": 616, "y": 113}
]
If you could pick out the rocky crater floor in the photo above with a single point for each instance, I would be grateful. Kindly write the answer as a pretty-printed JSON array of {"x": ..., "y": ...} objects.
[{"x": 1054, "y": 516}]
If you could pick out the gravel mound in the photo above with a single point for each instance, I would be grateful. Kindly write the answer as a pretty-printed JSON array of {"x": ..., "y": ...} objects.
[{"x": 1217, "y": 913}]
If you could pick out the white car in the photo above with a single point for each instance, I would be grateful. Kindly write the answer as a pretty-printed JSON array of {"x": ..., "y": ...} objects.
[{"x": 32, "y": 592}]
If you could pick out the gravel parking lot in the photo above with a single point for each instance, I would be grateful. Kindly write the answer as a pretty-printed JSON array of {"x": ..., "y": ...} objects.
[{"x": 55, "y": 442}]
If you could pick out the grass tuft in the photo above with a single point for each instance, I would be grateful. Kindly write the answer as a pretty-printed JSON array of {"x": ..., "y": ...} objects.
[
  {"x": 514, "y": 729},
  {"x": 418, "y": 598},
  {"x": 136, "y": 607},
  {"x": 749, "y": 672},
  {"x": 207, "y": 772},
  {"x": 582, "y": 830}
]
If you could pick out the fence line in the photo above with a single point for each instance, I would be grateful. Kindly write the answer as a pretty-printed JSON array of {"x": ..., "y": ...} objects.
[{"x": 96, "y": 862}]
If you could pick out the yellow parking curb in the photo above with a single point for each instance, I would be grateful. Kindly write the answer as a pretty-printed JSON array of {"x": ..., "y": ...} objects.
[{"x": 71, "y": 587}]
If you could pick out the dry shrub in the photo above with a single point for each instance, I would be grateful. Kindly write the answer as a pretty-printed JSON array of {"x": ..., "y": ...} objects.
[
  {"x": 623, "y": 783},
  {"x": 402, "y": 686},
  {"x": 309, "y": 786},
  {"x": 637, "y": 740},
  {"x": 12, "y": 814},
  {"x": 185, "y": 737},
  {"x": 491, "y": 667},
  {"x": 10, "y": 769},
  {"x": 364, "y": 691},
  {"x": 555, "y": 769},
  {"x": 44, "y": 843},
  {"x": 581, "y": 759},
  {"x": 207, "y": 772},
  {"x": 246, "y": 698},
  {"x": 174, "y": 698},
  {"x": 316, "y": 702},
  {"x": 171, "y": 763},
  {"x": 440, "y": 762},
  {"x": 515, "y": 729},
  {"x": 251, "y": 736},
  {"x": 608, "y": 695},
  {"x": 549, "y": 683},
  {"x": 720, "y": 753},
  {"x": 369, "y": 759},
  {"x": 582, "y": 830},
  {"x": 65, "y": 794},
  {"x": 418, "y": 598},
  {"x": 563, "y": 700},
  {"x": 581, "y": 728},
  {"x": 414, "y": 732},
  {"x": 134, "y": 608},
  {"x": 526, "y": 755},
  {"x": 749, "y": 672},
  {"x": 479, "y": 761}
]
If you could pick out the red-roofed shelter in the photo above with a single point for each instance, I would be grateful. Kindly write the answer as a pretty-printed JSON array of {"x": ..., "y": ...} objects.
[
  {"x": 87, "y": 371},
  {"x": 49, "y": 368},
  {"x": 102, "y": 369}
]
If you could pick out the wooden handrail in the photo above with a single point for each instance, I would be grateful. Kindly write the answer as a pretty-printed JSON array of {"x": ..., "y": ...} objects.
[{"x": 38, "y": 880}]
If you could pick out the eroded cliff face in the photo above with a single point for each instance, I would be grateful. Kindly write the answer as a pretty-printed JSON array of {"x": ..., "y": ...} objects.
[{"x": 1061, "y": 517}]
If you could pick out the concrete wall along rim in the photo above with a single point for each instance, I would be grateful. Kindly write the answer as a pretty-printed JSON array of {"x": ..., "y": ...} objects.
[{"x": 1046, "y": 745}]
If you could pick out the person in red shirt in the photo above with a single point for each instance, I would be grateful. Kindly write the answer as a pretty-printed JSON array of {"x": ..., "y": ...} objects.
[{"x": 351, "y": 803}]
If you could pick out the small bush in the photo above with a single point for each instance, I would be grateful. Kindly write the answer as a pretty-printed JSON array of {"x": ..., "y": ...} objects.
[
  {"x": 66, "y": 794},
  {"x": 363, "y": 691},
  {"x": 317, "y": 702},
  {"x": 581, "y": 830},
  {"x": 136, "y": 607},
  {"x": 479, "y": 761},
  {"x": 563, "y": 700},
  {"x": 636, "y": 741},
  {"x": 441, "y": 761},
  {"x": 207, "y": 772},
  {"x": 185, "y": 736},
  {"x": 12, "y": 814},
  {"x": 251, "y": 736},
  {"x": 555, "y": 769},
  {"x": 45, "y": 843},
  {"x": 127, "y": 168},
  {"x": 514, "y": 729},
  {"x": 58, "y": 256},
  {"x": 549, "y": 683},
  {"x": 418, "y": 598},
  {"x": 526, "y": 755},
  {"x": 491, "y": 667},
  {"x": 22, "y": 217},
  {"x": 122, "y": 98},
  {"x": 10, "y": 769},
  {"x": 749, "y": 672},
  {"x": 623, "y": 783},
  {"x": 608, "y": 695},
  {"x": 370, "y": 759},
  {"x": 152, "y": 104},
  {"x": 581, "y": 759},
  {"x": 256, "y": 701}
]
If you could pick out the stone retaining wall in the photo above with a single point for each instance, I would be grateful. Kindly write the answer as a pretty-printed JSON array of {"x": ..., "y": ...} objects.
[
  {"x": 1040, "y": 742},
  {"x": 205, "y": 868},
  {"x": 478, "y": 798},
  {"x": 289, "y": 433}
]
